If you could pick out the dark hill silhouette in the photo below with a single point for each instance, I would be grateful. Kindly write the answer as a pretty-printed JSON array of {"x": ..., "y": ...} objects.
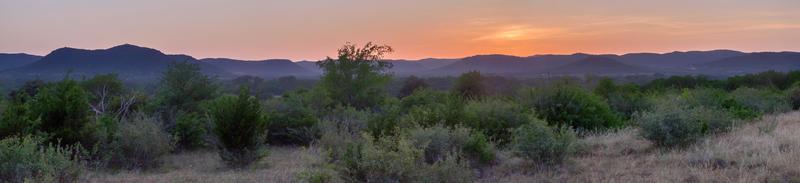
[
  {"x": 753, "y": 62},
  {"x": 16, "y": 60},
  {"x": 126, "y": 60},
  {"x": 135, "y": 61},
  {"x": 675, "y": 60},
  {"x": 272, "y": 68},
  {"x": 597, "y": 65}
]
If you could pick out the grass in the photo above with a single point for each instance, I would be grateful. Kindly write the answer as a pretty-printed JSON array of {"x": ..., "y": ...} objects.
[{"x": 766, "y": 150}]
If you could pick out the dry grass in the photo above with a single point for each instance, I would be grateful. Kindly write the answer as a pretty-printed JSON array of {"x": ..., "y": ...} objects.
[
  {"x": 282, "y": 165},
  {"x": 764, "y": 151}
]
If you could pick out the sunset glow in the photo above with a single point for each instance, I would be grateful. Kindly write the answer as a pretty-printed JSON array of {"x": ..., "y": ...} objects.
[{"x": 311, "y": 30}]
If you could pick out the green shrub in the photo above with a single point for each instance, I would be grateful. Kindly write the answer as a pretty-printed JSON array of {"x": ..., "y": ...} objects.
[
  {"x": 65, "y": 113},
  {"x": 672, "y": 124},
  {"x": 422, "y": 98},
  {"x": 439, "y": 142},
  {"x": 572, "y": 106},
  {"x": 448, "y": 111},
  {"x": 291, "y": 122},
  {"x": 26, "y": 159},
  {"x": 763, "y": 101},
  {"x": 794, "y": 96},
  {"x": 140, "y": 143},
  {"x": 359, "y": 157},
  {"x": 240, "y": 128},
  {"x": 386, "y": 120},
  {"x": 539, "y": 143},
  {"x": 470, "y": 85},
  {"x": 17, "y": 118},
  {"x": 496, "y": 118},
  {"x": 190, "y": 131}
]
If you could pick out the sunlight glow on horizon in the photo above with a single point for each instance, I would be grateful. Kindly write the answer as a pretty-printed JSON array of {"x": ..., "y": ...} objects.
[{"x": 312, "y": 30}]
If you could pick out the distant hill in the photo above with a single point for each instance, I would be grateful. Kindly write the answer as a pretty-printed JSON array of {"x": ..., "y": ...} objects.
[
  {"x": 15, "y": 60},
  {"x": 132, "y": 61},
  {"x": 263, "y": 68},
  {"x": 598, "y": 65},
  {"x": 753, "y": 62},
  {"x": 675, "y": 60},
  {"x": 129, "y": 61}
]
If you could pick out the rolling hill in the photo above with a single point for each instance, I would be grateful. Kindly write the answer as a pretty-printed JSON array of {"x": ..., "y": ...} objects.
[
  {"x": 598, "y": 65},
  {"x": 129, "y": 61},
  {"x": 272, "y": 68},
  {"x": 16, "y": 60}
]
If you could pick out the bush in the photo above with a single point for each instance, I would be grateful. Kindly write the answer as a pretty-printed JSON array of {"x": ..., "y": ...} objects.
[
  {"x": 794, "y": 96},
  {"x": 496, "y": 118},
  {"x": 240, "y": 127},
  {"x": 17, "y": 118},
  {"x": 539, "y": 143},
  {"x": 190, "y": 131},
  {"x": 672, "y": 124},
  {"x": 470, "y": 85},
  {"x": 430, "y": 109},
  {"x": 762, "y": 101},
  {"x": 291, "y": 122},
  {"x": 140, "y": 143},
  {"x": 572, "y": 106},
  {"x": 439, "y": 143},
  {"x": 64, "y": 111},
  {"x": 358, "y": 157},
  {"x": 25, "y": 159}
]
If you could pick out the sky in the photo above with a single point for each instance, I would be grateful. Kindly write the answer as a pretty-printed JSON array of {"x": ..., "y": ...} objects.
[{"x": 314, "y": 29}]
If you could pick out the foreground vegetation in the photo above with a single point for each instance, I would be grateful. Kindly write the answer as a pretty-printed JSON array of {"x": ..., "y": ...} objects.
[{"x": 348, "y": 128}]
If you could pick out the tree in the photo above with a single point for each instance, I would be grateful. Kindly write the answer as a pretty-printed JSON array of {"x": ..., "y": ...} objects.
[
  {"x": 30, "y": 88},
  {"x": 357, "y": 76},
  {"x": 108, "y": 96},
  {"x": 240, "y": 128},
  {"x": 183, "y": 87},
  {"x": 64, "y": 111},
  {"x": 17, "y": 118},
  {"x": 412, "y": 84},
  {"x": 470, "y": 85}
]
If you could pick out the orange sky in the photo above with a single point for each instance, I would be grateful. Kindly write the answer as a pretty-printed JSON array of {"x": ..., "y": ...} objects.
[{"x": 313, "y": 29}]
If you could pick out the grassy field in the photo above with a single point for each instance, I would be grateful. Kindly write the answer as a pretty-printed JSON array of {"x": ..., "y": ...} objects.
[{"x": 766, "y": 150}]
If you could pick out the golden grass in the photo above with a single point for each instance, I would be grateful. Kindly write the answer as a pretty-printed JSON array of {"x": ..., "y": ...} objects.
[
  {"x": 767, "y": 150},
  {"x": 282, "y": 165}
]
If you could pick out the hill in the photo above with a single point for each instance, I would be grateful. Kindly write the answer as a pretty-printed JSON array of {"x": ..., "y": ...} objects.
[
  {"x": 598, "y": 65},
  {"x": 272, "y": 68},
  {"x": 15, "y": 60},
  {"x": 753, "y": 62},
  {"x": 129, "y": 61}
]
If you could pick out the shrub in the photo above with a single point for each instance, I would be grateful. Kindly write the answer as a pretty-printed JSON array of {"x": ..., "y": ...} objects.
[
  {"x": 190, "y": 131},
  {"x": 240, "y": 127},
  {"x": 539, "y": 143},
  {"x": 496, "y": 118},
  {"x": 671, "y": 124},
  {"x": 411, "y": 85},
  {"x": 291, "y": 122},
  {"x": 358, "y": 157},
  {"x": 140, "y": 143},
  {"x": 442, "y": 109},
  {"x": 17, "y": 118},
  {"x": 64, "y": 111},
  {"x": 572, "y": 106},
  {"x": 794, "y": 96},
  {"x": 25, "y": 159},
  {"x": 763, "y": 101},
  {"x": 440, "y": 142},
  {"x": 470, "y": 85}
]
